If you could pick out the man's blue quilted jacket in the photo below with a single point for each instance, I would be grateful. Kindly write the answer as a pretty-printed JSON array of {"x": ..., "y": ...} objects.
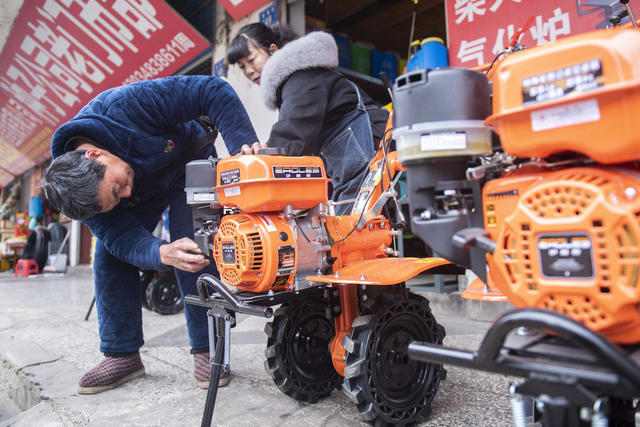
[{"x": 150, "y": 125}]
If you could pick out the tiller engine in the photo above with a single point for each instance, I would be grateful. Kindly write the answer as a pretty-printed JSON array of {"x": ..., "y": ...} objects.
[
  {"x": 345, "y": 317},
  {"x": 548, "y": 216}
]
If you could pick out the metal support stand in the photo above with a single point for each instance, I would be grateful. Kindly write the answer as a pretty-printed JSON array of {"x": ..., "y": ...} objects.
[
  {"x": 219, "y": 319},
  {"x": 93, "y": 301},
  {"x": 222, "y": 307}
]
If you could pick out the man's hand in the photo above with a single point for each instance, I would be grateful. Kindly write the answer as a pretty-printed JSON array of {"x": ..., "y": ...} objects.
[
  {"x": 254, "y": 148},
  {"x": 183, "y": 254}
]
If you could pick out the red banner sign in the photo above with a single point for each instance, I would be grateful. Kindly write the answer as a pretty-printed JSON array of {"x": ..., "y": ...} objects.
[
  {"x": 238, "y": 9},
  {"x": 62, "y": 53},
  {"x": 478, "y": 30}
]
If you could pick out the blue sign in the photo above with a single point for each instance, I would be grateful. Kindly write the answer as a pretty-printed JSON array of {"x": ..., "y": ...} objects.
[{"x": 269, "y": 16}]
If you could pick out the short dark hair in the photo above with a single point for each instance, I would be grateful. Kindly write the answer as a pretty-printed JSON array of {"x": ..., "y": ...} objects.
[
  {"x": 261, "y": 36},
  {"x": 70, "y": 184}
]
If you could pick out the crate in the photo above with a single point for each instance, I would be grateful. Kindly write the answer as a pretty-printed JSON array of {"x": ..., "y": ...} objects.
[
  {"x": 384, "y": 62},
  {"x": 360, "y": 58},
  {"x": 344, "y": 50}
]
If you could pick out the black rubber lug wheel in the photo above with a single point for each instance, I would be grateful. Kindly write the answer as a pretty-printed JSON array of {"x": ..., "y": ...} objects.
[
  {"x": 163, "y": 294},
  {"x": 146, "y": 276},
  {"x": 387, "y": 386},
  {"x": 298, "y": 351}
]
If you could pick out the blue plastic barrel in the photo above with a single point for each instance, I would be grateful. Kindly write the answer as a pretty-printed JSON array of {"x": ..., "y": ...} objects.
[
  {"x": 35, "y": 206},
  {"x": 432, "y": 54}
]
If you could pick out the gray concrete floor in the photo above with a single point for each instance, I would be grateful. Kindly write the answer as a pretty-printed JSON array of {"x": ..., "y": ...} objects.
[{"x": 45, "y": 346}]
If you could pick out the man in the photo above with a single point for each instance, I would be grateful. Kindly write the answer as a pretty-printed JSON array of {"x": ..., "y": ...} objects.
[{"x": 117, "y": 166}]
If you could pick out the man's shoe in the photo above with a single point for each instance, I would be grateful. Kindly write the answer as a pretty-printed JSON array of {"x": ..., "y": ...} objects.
[
  {"x": 110, "y": 373},
  {"x": 202, "y": 371}
]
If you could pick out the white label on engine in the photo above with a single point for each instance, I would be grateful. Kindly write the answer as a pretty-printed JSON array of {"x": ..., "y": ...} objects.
[
  {"x": 565, "y": 115},
  {"x": 232, "y": 191},
  {"x": 267, "y": 222},
  {"x": 204, "y": 197},
  {"x": 437, "y": 141}
]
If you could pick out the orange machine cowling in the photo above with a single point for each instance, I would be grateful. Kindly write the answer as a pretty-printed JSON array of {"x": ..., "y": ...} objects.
[
  {"x": 569, "y": 241},
  {"x": 256, "y": 253},
  {"x": 262, "y": 183},
  {"x": 578, "y": 94}
]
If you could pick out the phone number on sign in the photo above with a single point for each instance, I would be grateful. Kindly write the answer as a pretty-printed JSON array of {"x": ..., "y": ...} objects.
[{"x": 167, "y": 55}]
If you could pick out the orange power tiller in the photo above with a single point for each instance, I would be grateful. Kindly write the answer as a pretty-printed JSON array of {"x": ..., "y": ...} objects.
[
  {"x": 538, "y": 193},
  {"x": 345, "y": 318}
]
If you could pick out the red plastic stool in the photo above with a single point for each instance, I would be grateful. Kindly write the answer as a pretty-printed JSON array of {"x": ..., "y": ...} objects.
[{"x": 25, "y": 267}]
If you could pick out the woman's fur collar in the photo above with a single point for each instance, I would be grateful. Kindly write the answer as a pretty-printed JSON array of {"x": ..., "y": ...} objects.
[{"x": 316, "y": 49}]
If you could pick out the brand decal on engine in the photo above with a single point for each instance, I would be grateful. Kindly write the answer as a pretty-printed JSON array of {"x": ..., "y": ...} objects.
[
  {"x": 267, "y": 222},
  {"x": 232, "y": 191},
  {"x": 228, "y": 253},
  {"x": 286, "y": 259},
  {"x": 562, "y": 82},
  {"x": 296, "y": 172},
  {"x": 230, "y": 176},
  {"x": 565, "y": 115},
  {"x": 566, "y": 256}
]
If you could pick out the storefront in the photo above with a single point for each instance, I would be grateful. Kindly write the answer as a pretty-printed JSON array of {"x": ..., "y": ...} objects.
[
  {"x": 60, "y": 54},
  {"x": 57, "y": 57}
]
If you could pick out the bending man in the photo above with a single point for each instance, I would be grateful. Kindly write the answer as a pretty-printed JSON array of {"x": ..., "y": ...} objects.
[{"x": 117, "y": 166}]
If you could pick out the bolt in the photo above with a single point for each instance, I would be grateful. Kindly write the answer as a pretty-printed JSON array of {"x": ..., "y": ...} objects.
[
  {"x": 524, "y": 331},
  {"x": 630, "y": 193}
]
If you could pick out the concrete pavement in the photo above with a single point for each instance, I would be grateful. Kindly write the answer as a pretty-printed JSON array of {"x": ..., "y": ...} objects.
[{"x": 46, "y": 346}]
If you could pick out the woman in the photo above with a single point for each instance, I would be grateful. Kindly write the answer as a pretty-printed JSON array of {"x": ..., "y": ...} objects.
[{"x": 322, "y": 113}]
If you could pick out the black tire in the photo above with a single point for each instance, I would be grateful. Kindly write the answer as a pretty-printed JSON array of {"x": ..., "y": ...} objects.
[
  {"x": 387, "y": 386},
  {"x": 37, "y": 247},
  {"x": 57, "y": 232},
  {"x": 298, "y": 351},
  {"x": 163, "y": 294},
  {"x": 146, "y": 276}
]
